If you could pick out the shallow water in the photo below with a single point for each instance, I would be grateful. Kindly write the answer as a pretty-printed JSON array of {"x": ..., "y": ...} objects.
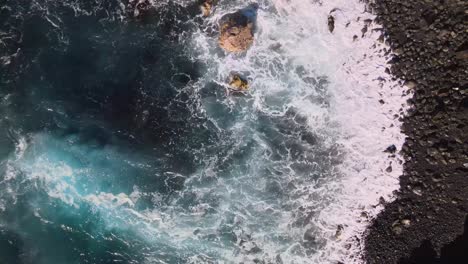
[{"x": 120, "y": 144}]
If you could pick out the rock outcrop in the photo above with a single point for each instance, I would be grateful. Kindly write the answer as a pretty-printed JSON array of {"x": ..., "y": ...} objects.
[
  {"x": 237, "y": 83},
  {"x": 237, "y": 32}
]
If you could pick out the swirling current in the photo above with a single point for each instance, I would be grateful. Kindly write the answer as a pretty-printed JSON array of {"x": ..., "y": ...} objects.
[{"x": 120, "y": 144}]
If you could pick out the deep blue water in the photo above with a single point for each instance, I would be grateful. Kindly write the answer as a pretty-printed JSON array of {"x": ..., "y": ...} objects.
[
  {"x": 99, "y": 93},
  {"x": 96, "y": 103}
]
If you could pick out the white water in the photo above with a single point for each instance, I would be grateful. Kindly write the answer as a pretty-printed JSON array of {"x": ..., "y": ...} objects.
[
  {"x": 328, "y": 83},
  {"x": 294, "y": 34}
]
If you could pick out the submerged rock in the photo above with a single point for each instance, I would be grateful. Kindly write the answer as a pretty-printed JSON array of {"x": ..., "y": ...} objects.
[
  {"x": 138, "y": 8},
  {"x": 237, "y": 30}
]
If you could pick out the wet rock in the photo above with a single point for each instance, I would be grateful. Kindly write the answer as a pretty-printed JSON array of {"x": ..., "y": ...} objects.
[
  {"x": 364, "y": 30},
  {"x": 391, "y": 149},
  {"x": 382, "y": 201},
  {"x": 339, "y": 231},
  {"x": 237, "y": 30},
  {"x": 410, "y": 84},
  {"x": 331, "y": 23},
  {"x": 406, "y": 222},
  {"x": 249, "y": 247},
  {"x": 309, "y": 235},
  {"x": 309, "y": 137},
  {"x": 206, "y": 7},
  {"x": 397, "y": 230},
  {"x": 238, "y": 83},
  {"x": 364, "y": 215},
  {"x": 138, "y": 7},
  {"x": 389, "y": 169}
]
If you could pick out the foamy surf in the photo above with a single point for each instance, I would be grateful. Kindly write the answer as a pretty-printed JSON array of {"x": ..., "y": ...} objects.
[
  {"x": 292, "y": 172},
  {"x": 359, "y": 113}
]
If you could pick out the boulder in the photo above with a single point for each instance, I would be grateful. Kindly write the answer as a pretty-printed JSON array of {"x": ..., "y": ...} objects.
[
  {"x": 237, "y": 31},
  {"x": 237, "y": 83}
]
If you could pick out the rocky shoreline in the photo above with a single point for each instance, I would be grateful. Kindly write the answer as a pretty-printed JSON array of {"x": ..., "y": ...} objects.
[{"x": 428, "y": 223}]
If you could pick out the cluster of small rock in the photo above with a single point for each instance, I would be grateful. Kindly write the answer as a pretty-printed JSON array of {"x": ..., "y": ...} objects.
[{"x": 236, "y": 35}]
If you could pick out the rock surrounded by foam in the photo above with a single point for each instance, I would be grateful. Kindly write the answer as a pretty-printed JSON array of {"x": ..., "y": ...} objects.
[
  {"x": 237, "y": 32},
  {"x": 238, "y": 83},
  {"x": 207, "y": 6}
]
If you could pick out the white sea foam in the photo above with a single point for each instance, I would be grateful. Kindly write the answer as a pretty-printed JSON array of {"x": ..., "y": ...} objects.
[
  {"x": 266, "y": 207},
  {"x": 294, "y": 35}
]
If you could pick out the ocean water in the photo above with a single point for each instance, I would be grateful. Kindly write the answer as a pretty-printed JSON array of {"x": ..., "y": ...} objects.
[{"x": 120, "y": 143}]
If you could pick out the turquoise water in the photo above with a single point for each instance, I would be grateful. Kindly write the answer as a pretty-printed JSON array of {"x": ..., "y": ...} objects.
[{"x": 110, "y": 155}]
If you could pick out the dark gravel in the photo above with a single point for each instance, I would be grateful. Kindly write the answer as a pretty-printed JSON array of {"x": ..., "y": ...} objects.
[{"x": 426, "y": 222}]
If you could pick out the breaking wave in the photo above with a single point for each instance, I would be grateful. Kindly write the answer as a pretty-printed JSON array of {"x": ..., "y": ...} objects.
[{"x": 121, "y": 143}]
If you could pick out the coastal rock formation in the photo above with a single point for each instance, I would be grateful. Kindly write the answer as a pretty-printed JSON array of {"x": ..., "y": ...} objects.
[{"x": 237, "y": 32}]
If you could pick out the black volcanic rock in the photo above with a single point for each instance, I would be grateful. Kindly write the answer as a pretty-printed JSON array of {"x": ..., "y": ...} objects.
[
  {"x": 430, "y": 38},
  {"x": 331, "y": 23},
  {"x": 391, "y": 149}
]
